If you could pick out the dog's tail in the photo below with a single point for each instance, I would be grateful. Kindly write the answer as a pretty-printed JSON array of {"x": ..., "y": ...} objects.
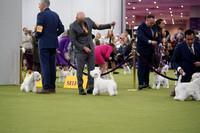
[
  {"x": 112, "y": 78},
  {"x": 180, "y": 77}
]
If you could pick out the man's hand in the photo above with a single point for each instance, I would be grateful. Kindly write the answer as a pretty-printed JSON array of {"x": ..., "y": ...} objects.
[
  {"x": 113, "y": 23},
  {"x": 87, "y": 50},
  {"x": 154, "y": 42},
  {"x": 181, "y": 71},
  {"x": 197, "y": 64}
]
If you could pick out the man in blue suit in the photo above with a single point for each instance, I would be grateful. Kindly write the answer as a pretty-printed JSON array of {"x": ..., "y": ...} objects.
[
  {"x": 49, "y": 27},
  {"x": 186, "y": 57},
  {"x": 147, "y": 38}
]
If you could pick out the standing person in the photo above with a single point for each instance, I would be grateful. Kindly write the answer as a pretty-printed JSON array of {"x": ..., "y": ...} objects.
[
  {"x": 81, "y": 38},
  {"x": 49, "y": 27},
  {"x": 63, "y": 46},
  {"x": 147, "y": 38},
  {"x": 97, "y": 39}
]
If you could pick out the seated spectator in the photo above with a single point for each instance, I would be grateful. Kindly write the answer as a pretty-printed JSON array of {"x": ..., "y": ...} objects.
[{"x": 180, "y": 31}]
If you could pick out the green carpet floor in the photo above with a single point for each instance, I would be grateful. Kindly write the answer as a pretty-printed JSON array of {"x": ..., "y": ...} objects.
[{"x": 146, "y": 111}]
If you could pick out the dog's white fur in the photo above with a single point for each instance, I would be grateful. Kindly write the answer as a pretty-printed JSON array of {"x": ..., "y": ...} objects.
[
  {"x": 63, "y": 74},
  {"x": 165, "y": 68},
  {"x": 73, "y": 71},
  {"x": 103, "y": 85},
  {"x": 126, "y": 69},
  {"x": 29, "y": 82},
  {"x": 190, "y": 89},
  {"x": 159, "y": 80}
]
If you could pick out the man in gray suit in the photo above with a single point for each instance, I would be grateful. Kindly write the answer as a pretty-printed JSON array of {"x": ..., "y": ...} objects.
[{"x": 81, "y": 38}]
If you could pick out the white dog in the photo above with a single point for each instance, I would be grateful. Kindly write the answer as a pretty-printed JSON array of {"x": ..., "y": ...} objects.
[
  {"x": 126, "y": 69},
  {"x": 73, "y": 71},
  {"x": 29, "y": 83},
  {"x": 63, "y": 74},
  {"x": 103, "y": 85},
  {"x": 165, "y": 68},
  {"x": 190, "y": 89},
  {"x": 159, "y": 80}
]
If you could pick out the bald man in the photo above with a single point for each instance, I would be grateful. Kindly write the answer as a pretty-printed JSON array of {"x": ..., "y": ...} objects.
[{"x": 81, "y": 38}]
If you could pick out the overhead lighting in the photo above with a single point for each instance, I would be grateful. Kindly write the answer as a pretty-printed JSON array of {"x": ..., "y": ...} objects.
[
  {"x": 129, "y": 3},
  {"x": 172, "y": 15},
  {"x": 133, "y": 16},
  {"x": 170, "y": 11},
  {"x": 149, "y": 12},
  {"x": 157, "y": 7},
  {"x": 147, "y": 9},
  {"x": 165, "y": 21},
  {"x": 181, "y": 16},
  {"x": 126, "y": 22},
  {"x": 181, "y": 13},
  {"x": 133, "y": 22},
  {"x": 139, "y": 0},
  {"x": 172, "y": 21},
  {"x": 126, "y": 17},
  {"x": 133, "y": 7},
  {"x": 154, "y": 2},
  {"x": 170, "y": 8},
  {"x": 182, "y": 6}
]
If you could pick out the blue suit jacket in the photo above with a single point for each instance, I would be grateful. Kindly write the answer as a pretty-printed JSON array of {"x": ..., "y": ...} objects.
[
  {"x": 144, "y": 35},
  {"x": 184, "y": 58},
  {"x": 49, "y": 27}
]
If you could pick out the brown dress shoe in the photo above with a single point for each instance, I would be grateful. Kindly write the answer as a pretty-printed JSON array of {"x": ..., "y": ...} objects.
[
  {"x": 173, "y": 93},
  {"x": 52, "y": 90},
  {"x": 43, "y": 92}
]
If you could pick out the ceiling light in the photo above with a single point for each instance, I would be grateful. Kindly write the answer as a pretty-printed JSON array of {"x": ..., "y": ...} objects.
[
  {"x": 126, "y": 22},
  {"x": 172, "y": 21},
  {"x": 132, "y": 21},
  {"x": 133, "y": 7},
  {"x": 181, "y": 13},
  {"x": 133, "y": 16},
  {"x": 139, "y": 0},
  {"x": 157, "y": 7},
  {"x": 170, "y": 11},
  {"x": 154, "y": 2},
  {"x": 171, "y": 14},
  {"x": 182, "y": 6},
  {"x": 149, "y": 12},
  {"x": 170, "y": 8},
  {"x": 181, "y": 16},
  {"x": 126, "y": 17},
  {"x": 147, "y": 9},
  {"x": 129, "y": 3}
]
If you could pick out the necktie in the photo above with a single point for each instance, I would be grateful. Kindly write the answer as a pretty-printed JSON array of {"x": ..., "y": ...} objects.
[
  {"x": 150, "y": 30},
  {"x": 85, "y": 29},
  {"x": 191, "y": 50}
]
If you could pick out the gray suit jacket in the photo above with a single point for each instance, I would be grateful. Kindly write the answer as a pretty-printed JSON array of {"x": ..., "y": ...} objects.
[{"x": 80, "y": 39}]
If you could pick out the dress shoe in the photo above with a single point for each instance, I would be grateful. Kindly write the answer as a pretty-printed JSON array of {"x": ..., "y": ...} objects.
[
  {"x": 89, "y": 91},
  {"x": 140, "y": 87},
  {"x": 115, "y": 72},
  {"x": 82, "y": 92},
  {"x": 52, "y": 90},
  {"x": 148, "y": 87},
  {"x": 173, "y": 94},
  {"x": 43, "y": 91}
]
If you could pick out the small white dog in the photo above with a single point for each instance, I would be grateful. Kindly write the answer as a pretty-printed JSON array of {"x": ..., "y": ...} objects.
[
  {"x": 72, "y": 70},
  {"x": 190, "y": 89},
  {"x": 158, "y": 80},
  {"x": 29, "y": 83},
  {"x": 63, "y": 74},
  {"x": 165, "y": 68},
  {"x": 126, "y": 69},
  {"x": 103, "y": 85}
]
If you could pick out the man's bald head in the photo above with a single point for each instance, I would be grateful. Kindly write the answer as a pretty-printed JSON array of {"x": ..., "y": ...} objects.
[{"x": 80, "y": 17}]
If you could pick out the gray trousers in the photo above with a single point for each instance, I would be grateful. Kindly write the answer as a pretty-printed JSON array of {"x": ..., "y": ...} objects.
[{"x": 82, "y": 59}]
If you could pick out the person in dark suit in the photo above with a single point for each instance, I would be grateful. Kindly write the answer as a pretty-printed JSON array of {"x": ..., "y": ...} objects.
[
  {"x": 186, "y": 57},
  {"x": 147, "y": 38},
  {"x": 81, "y": 38},
  {"x": 49, "y": 27}
]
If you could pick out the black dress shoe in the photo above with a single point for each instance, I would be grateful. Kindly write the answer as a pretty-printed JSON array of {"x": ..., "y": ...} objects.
[
  {"x": 82, "y": 92},
  {"x": 148, "y": 87},
  {"x": 140, "y": 87},
  {"x": 115, "y": 72},
  {"x": 89, "y": 91}
]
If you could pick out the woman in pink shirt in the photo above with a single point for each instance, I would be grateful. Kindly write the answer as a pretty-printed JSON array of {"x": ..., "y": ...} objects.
[{"x": 103, "y": 51}]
